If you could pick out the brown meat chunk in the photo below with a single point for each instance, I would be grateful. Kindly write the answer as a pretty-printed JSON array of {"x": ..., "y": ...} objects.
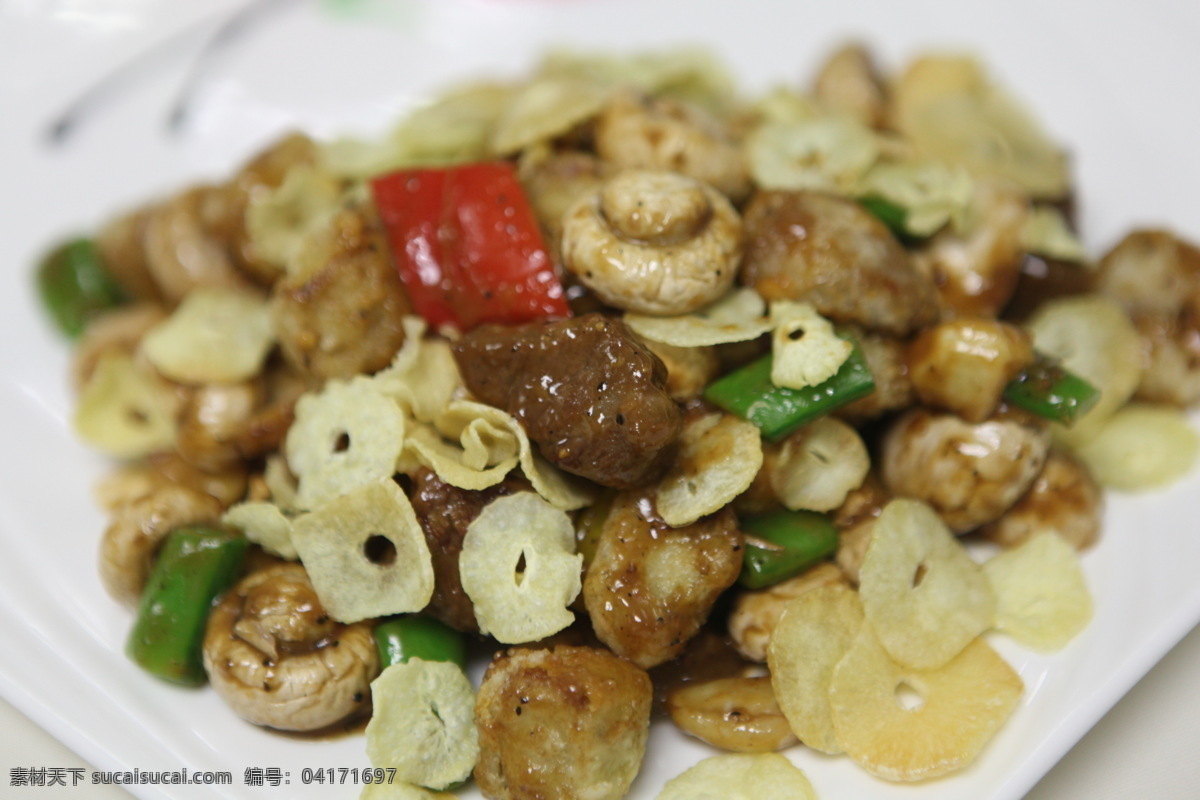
[
  {"x": 832, "y": 253},
  {"x": 562, "y": 724},
  {"x": 590, "y": 395},
  {"x": 650, "y": 587},
  {"x": 444, "y": 512},
  {"x": 340, "y": 314}
]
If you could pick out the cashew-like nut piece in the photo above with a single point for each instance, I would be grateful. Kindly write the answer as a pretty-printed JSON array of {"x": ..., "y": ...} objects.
[
  {"x": 278, "y": 659},
  {"x": 654, "y": 242}
]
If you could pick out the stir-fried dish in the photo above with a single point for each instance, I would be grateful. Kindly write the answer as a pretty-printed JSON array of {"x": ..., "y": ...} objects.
[{"x": 752, "y": 414}]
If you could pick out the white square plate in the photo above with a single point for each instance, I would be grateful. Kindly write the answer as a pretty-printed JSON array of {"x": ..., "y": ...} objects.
[{"x": 1115, "y": 82}]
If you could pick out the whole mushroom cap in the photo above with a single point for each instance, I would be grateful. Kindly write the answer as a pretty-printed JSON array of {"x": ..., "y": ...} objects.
[
  {"x": 653, "y": 241},
  {"x": 278, "y": 659}
]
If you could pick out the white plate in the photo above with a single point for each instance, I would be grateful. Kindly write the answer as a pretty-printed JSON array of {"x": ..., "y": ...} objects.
[{"x": 1105, "y": 80}]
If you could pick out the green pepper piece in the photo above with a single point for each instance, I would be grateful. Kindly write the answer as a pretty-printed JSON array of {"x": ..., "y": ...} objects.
[
  {"x": 781, "y": 544},
  {"x": 400, "y": 638},
  {"x": 1049, "y": 390},
  {"x": 887, "y": 212},
  {"x": 196, "y": 563},
  {"x": 75, "y": 286},
  {"x": 778, "y": 410}
]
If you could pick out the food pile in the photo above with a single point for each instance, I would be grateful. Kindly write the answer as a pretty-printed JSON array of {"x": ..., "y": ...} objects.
[{"x": 678, "y": 403}]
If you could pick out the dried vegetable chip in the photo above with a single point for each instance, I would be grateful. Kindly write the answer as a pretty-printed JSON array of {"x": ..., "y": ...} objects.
[
  {"x": 719, "y": 455},
  {"x": 819, "y": 465},
  {"x": 214, "y": 336},
  {"x": 265, "y": 525},
  {"x": 906, "y": 725},
  {"x": 931, "y": 194},
  {"x": 125, "y": 410},
  {"x": 450, "y": 461},
  {"x": 345, "y": 436},
  {"x": 399, "y": 790},
  {"x": 278, "y": 220},
  {"x": 518, "y": 565},
  {"x": 805, "y": 350},
  {"x": 1141, "y": 447},
  {"x": 366, "y": 554},
  {"x": 829, "y": 154},
  {"x": 1093, "y": 338},
  {"x": 423, "y": 377},
  {"x": 1047, "y": 233},
  {"x": 1042, "y": 599},
  {"x": 739, "y": 316},
  {"x": 544, "y": 109},
  {"x": 811, "y": 637},
  {"x": 281, "y": 483},
  {"x": 740, "y": 776},
  {"x": 921, "y": 592},
  {"x": 423, "y": 723},
  {"x": 952, "y": 112},
  {"x": 453, "y": 129}
]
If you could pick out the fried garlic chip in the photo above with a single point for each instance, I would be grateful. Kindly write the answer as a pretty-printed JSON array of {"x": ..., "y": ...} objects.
[
  {"x": 214, "y": 336},
  {"x": 1141, "y": 447},
  {"x": 423, "y": 723},
  {"x": 739, "y": 316},
  {"x": 423, "y": 377},
  {"x": 741, "y": 776},
  {"x": 921, "y": 592},
  {"x": 347, "y": 435},
  {"x": 805, "y": 350},
  {"x": 719, "y": 455},
  {"x": 454, "y": 464},
  {"x": 366, "y": 554},
  {"x": 265, "y": 525},
  {"x": 819, "y": 465},
  {"x": 277, "y": 220},
  {"x": 812, "y": 635},
  {"x": 400, "y": 790},
  {"x": 1047, "y": 233},
  {"x": 1042, "y": 599},
  {"x": 125, "y": 410},
  {"x": 281, "y": 483},
  {"x": 518, "y": 565},
  {"x": 930, "y": 192},
  {"x": 828, "y": 154},
  {"x": 904, "y": 724},
  {"x": 544, "y": 109}
]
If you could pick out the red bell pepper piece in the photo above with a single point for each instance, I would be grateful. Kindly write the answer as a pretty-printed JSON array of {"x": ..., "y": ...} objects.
[{"x": 467, "y": 245}]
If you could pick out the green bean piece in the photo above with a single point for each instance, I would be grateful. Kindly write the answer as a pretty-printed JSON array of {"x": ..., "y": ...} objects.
[
  {"x": 75, "y": 286},
  {"x": 1052, "y": 392},
  {"x": 778, "y": 410},
  {"x": 781, "y": 544},
  {"x": 400, "y": 638},
  {"x": 196, "y": 563}
]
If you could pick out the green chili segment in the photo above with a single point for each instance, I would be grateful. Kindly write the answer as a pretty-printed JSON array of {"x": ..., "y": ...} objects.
[
  {"x": 1047, "y": 389},
  {"x": 401, "y": 638},
  {"x": 196, "y": 563},
  {"x": 778, "y": 410},
  {"x": 75, "y": 286},
  {"x": 895, "y": 217},
  {"x": 784, "y": 543}
]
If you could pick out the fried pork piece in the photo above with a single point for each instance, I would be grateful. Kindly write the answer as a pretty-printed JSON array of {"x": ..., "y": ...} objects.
[
  {"x": 587, "y": 391},
  {"x": 569, "y": 723},
  {"x": 339, "y": 314},
  {"x": 831, "y": 252},
  {"x": 445, "y": 511},
  {"x": 650, "y": 587}
]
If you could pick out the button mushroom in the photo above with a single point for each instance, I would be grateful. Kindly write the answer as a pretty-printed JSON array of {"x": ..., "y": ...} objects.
[
  {"x": 653, "y": 242},
  {"x": 660, "y": 133},
  {"x": 129, "y": 544},
  {"x": 970, "y": 474},
  {"x": 278, "y": 659}
]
